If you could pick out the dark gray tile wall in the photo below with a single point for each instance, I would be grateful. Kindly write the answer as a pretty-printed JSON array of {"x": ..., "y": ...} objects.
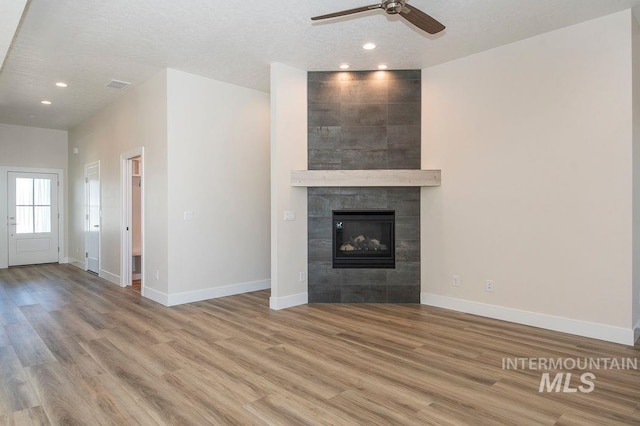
[
  {"x": 360, "y": 121},
  {"x": 364, "y": 120}
]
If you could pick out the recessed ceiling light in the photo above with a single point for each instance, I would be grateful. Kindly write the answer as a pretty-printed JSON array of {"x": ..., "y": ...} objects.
[
  {"x": 61, "y": 84},
  {"x": 344, "y": 66},
  {"x": 45, "y": 102},
  {"x": 382, "y": 67},
  {"x": 369, "y": 46},
  {"x": 31, "y": 116}
]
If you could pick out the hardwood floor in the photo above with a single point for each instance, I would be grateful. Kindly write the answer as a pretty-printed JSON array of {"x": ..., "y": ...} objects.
[{"x": 75, "y": 349}]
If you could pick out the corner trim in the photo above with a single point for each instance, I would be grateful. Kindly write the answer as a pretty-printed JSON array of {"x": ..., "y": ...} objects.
[
  {"x": 75, "y": 262},
  {"x": 285, "y": 302},
  {"x": 112, "y": 278},
  {"x": 624, "y": 336},
  {"x": 215, "y": 292},
  {"x": 155, "y": 295}
]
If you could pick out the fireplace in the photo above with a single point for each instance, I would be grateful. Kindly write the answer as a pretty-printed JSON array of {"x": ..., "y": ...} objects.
[
  {"x": 364, "y": 239},
  {"x": 354, "y": 123}
]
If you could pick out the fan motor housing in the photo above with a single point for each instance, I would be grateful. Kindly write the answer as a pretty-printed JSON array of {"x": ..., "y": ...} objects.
[{"x": 393, "y": 7}]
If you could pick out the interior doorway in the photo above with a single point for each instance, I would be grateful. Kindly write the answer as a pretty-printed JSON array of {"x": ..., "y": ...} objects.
[
  {"x": 136, "y": 222},
  {"x": 132, "y": 272},
  {"x": 92, "y": 217}
]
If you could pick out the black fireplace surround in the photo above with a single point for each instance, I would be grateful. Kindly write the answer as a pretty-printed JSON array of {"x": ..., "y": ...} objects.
[{"x": 364, "y": 239}]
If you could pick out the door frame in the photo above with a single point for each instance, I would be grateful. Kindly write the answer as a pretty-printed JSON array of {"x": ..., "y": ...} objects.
[
  {"x": 125, "y": 217},
  {"x": 86, "y": 211},
  {"x": 4, "y": 210}
]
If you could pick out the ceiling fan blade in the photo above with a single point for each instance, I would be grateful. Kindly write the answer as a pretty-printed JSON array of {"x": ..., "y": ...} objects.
[
  {"x": 347, "y": 12},
  {"x": 421, "y": 20}
]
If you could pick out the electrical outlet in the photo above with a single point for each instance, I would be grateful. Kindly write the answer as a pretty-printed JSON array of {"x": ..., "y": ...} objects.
[
  {"x": 488, "y": 285},
  {"x": 157, "y": 274},
  {"x": 302, "y": 277},
  {"x": 455, "y": 280}
]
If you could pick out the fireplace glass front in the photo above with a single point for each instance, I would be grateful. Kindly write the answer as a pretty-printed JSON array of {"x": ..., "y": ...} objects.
[{"x": 364, "y": 239}]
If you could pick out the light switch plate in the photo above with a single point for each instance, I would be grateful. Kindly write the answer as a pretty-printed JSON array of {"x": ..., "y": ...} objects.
[
  {"x": 188, "y": 215},
  {"x": 289, "y": 215}
]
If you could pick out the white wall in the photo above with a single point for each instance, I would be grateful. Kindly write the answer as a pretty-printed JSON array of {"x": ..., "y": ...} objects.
[
  {"x": 29, "y": 147},
  {"x": 137, "y": 119},
  {"x": 288, "y": 152},
  {"x": 12, "y": 11},
  {"x": 33, "y": 147},
  {"x": 218, "y": 150},
  {"x": 534, "y": 140},
  {"x": 636, "y": 174}
]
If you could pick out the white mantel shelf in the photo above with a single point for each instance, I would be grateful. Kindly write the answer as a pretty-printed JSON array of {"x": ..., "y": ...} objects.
[{"x": 359, "y": 178}]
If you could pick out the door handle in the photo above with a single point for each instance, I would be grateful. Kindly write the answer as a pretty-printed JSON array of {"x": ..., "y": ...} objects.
[
  {"x": 13, "y": 224},
  {"x": 96, "y": 226}
]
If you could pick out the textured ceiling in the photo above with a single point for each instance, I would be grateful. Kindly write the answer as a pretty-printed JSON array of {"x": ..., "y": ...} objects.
[{"x": 87, "y": 43}]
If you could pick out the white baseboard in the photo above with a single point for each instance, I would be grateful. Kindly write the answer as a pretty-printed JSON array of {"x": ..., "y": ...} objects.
[
  {"x": 64, "y": 260},
  {"x": 112, "y": 278},
  {"x": 215, "y": 292},
  {"x": 605, "y": 332},
  {"x": 285, "y": 302},
  {"x": 155, "y": 295},
  {"x": 136, "y": 276}
]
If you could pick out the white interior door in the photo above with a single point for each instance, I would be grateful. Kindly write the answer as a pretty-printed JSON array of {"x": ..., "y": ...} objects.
[
  {"x": 33, "y": 218},
  {"x": 92, "y": 240}
]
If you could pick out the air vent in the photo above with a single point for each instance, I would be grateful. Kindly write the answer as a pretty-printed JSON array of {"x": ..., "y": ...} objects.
[{"x": 117, "y": 84}]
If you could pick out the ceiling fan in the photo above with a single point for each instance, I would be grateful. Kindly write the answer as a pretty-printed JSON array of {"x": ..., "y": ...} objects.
[{"x": 395, "y": 7}]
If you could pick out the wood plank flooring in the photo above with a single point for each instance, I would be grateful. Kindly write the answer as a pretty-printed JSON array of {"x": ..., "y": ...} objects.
[{"x": 76, "y": 350}]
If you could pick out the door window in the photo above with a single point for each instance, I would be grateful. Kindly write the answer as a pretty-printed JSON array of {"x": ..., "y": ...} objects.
[{"x": 33, "y": 205}]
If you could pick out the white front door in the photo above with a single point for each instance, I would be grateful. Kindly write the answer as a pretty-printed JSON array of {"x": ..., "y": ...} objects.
[
  {"x": 93, "y": 217},
  {"x": 33, "y": 218}
]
